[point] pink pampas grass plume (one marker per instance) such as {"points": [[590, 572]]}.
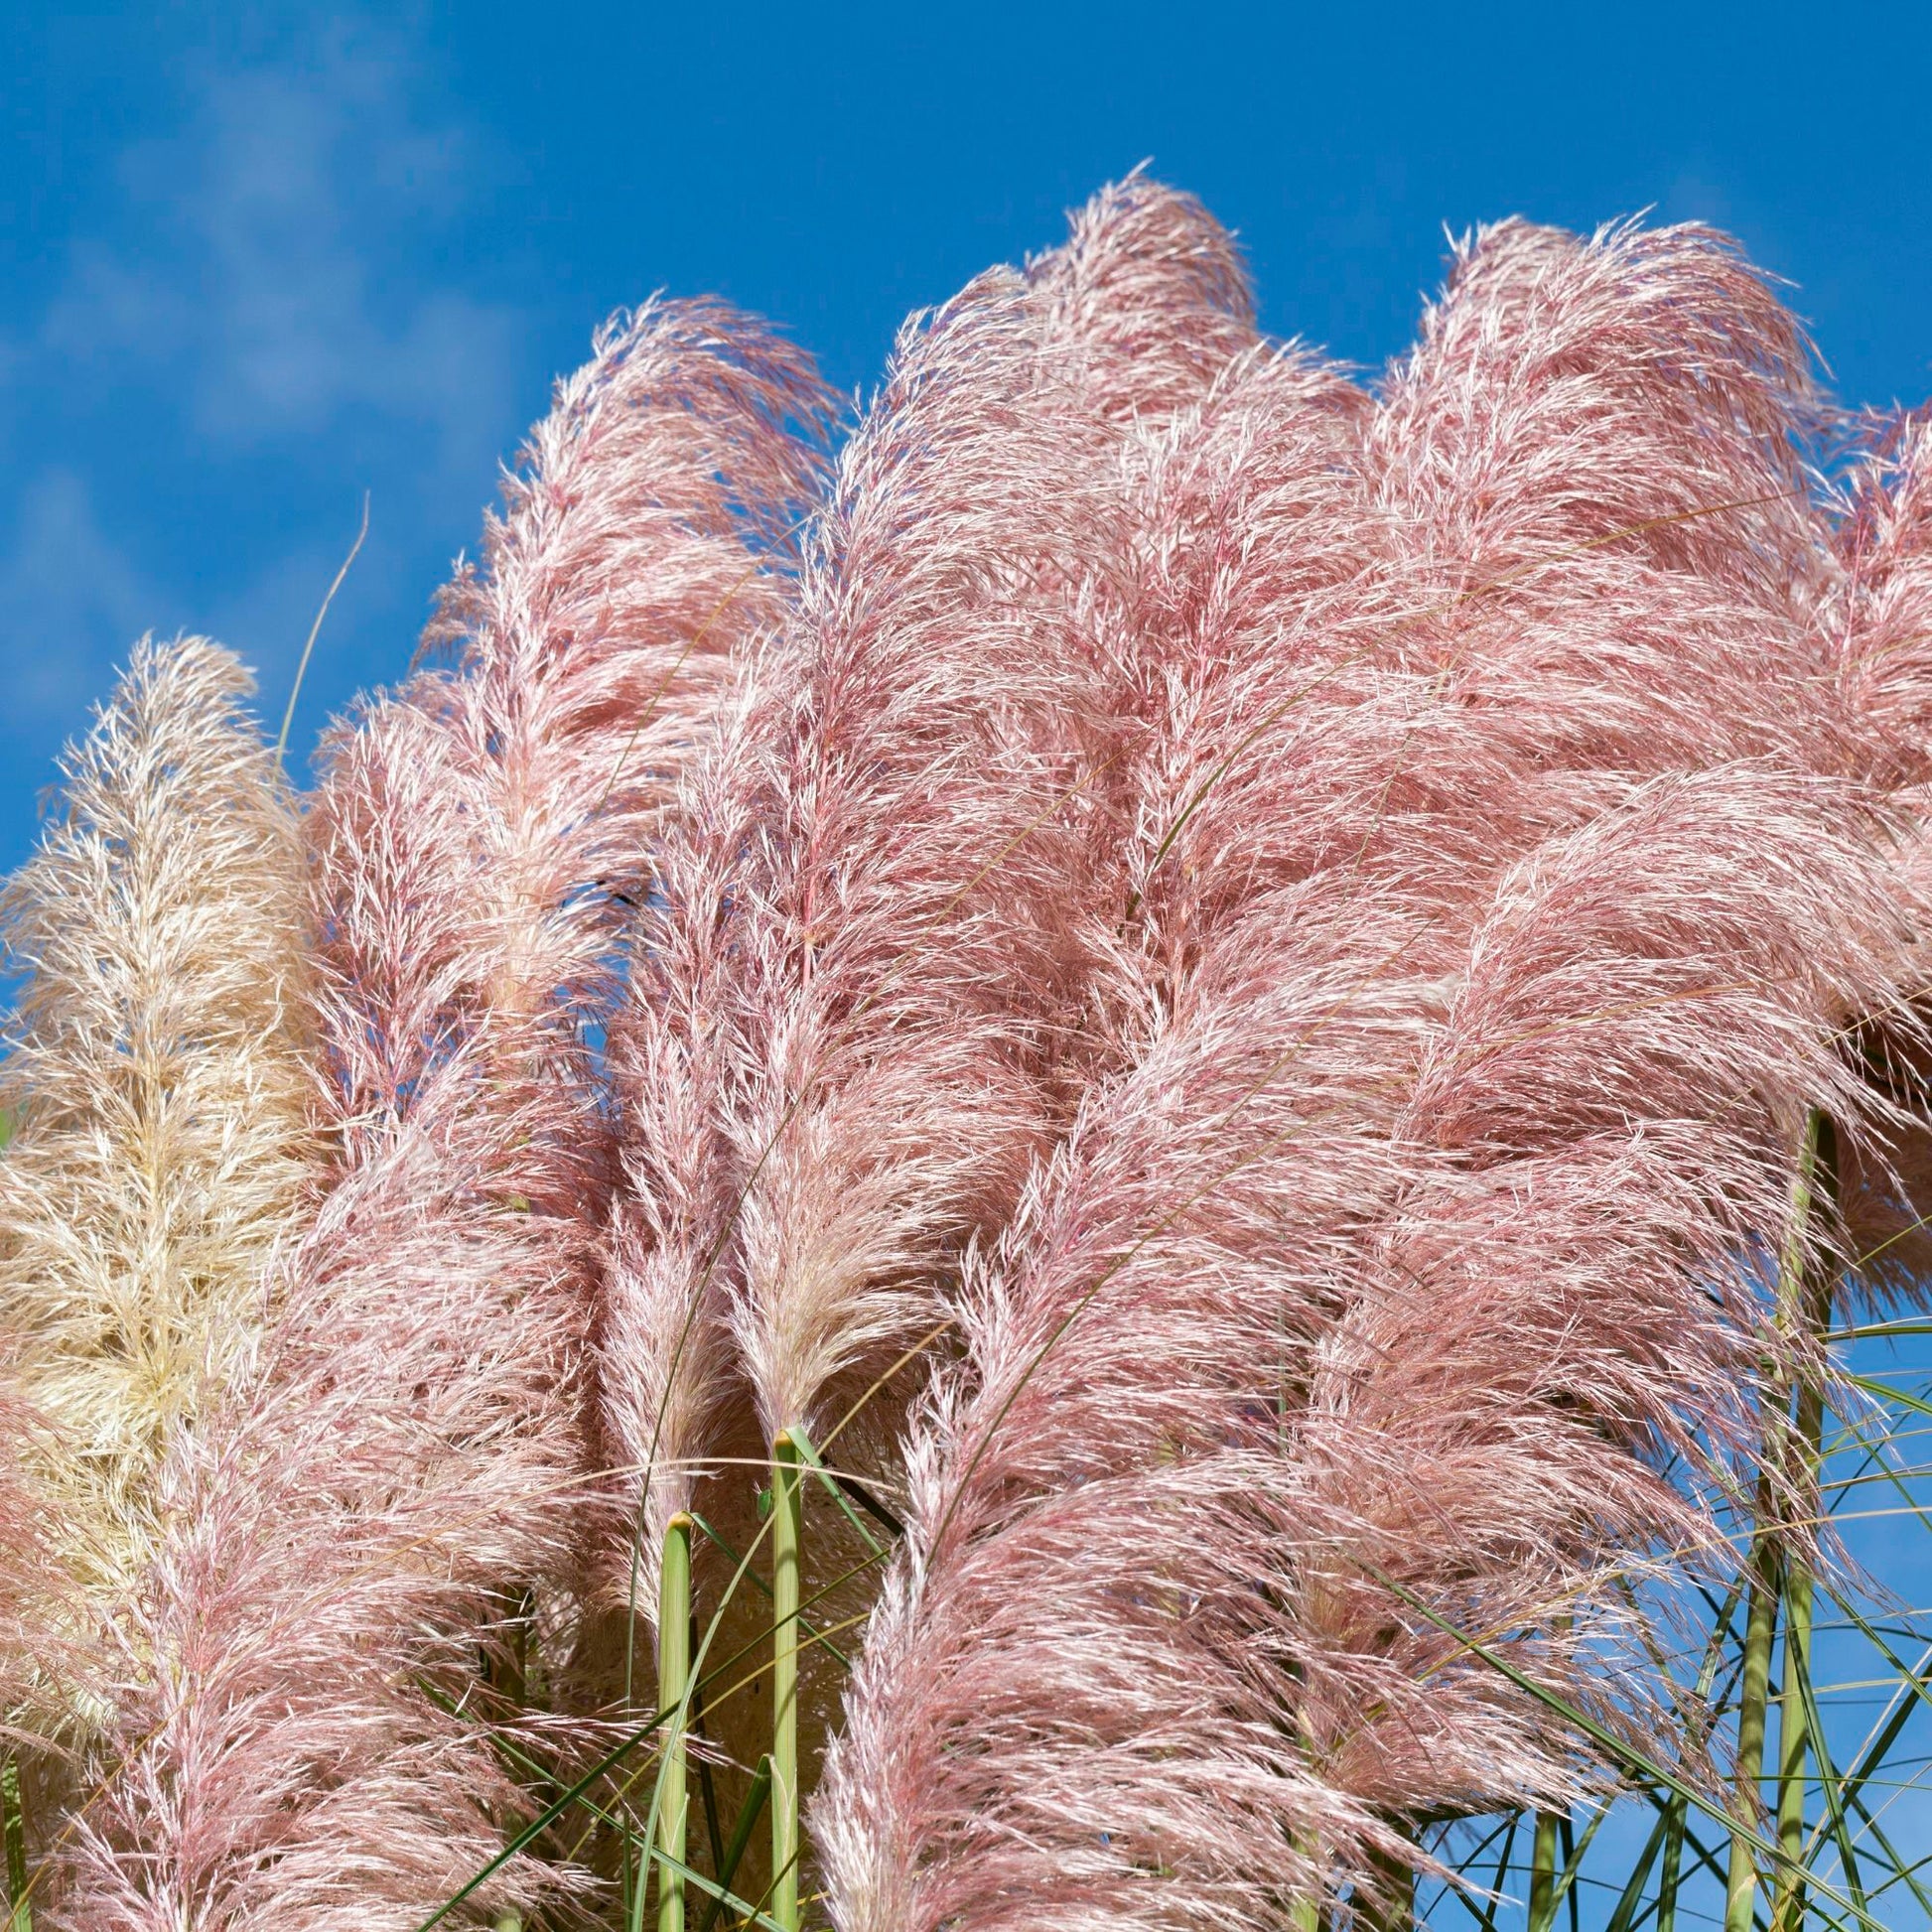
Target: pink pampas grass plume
{"points": [[1879, 616], [158, 1090], [1066, 1713], [914, 924], [1596, 459], [1597, 452], [1876, 616], [413, 1454], [918, 860], [860, 967], [1534, 1400], [1069, 1707]]}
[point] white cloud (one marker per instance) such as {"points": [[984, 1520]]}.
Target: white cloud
{"points": [[275, 270]]}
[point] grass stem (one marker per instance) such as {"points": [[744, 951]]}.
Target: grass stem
{"points": [[1543, 1873], [1545, 1850], [787, 1529], [1671, 1879], [1796, 1291], [673, 1693], [13, 1817], [1393, 1906], [1794, 1720]]}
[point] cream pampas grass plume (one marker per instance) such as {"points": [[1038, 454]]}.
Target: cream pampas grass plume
{"points": [[413, 1458], [158, 1086]]}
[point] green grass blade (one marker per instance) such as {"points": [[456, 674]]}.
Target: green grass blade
{"points": [[741, 1839], [1625, 1755], [802, 1444]]}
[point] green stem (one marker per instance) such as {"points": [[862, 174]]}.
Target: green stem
{"points": [[1543, 1873], [13, 1819], [1767, 1539], [1794, 1751], [787, 1530], [1545, 1859], [673, 1690], [1395, 1902], [1672, 1875], [1794, 1728]]}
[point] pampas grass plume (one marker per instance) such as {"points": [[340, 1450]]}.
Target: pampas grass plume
{"points": [[159, 1083], [417, 1451]]}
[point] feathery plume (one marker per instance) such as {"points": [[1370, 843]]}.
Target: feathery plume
{"points": [[856, 981], [1596, 452], [157, 1081], [1067, 1706], [1875, 615], [1879, 613], [1530, 1406], [1595, 460], [414, 1449], [914, 921]]}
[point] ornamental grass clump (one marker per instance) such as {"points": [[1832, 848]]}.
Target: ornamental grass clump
{"points": [[1620, 1199], [1080, 1166]]}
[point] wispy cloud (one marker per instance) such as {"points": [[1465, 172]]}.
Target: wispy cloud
{"points": [[271, 263], [266, 314]]}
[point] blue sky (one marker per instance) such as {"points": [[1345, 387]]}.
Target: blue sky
{"points": [[260, 261]]}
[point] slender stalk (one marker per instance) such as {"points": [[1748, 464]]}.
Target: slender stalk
{"points": [[1794, 1751], [673, 1689], [1543, 1873], [1399, 1914], [707, 1787], [1794, 1728], [1394, 1904], [14, 1819], [1768, 1567], [1306, 1913], [1672, 1875], [787, 1529], [1545, 1852]]}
